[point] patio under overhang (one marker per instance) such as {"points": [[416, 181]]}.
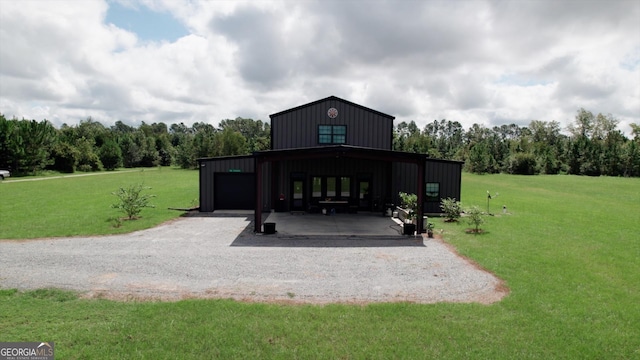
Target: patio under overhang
{"points": [[337, 151]]}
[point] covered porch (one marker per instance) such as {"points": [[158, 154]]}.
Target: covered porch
{"points": [[368, 224], [293, 171]]}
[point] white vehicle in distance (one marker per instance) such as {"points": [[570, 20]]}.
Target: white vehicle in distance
{"points": [[4, 174]]}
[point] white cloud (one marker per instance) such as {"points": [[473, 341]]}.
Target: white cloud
{"points": [[489, 62]]}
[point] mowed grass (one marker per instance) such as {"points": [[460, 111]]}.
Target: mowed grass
{"points": [[569, 251], [81, 204]]}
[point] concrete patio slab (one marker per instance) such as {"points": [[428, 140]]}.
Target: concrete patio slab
{"points": [[344, 225]]}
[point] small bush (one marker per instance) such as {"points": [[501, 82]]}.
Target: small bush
{"points": [[410, 203], [451, 208], [475, 217], [131, 201]]}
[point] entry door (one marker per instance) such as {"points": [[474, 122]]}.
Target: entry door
{"points": [[364, 194], [298, 201]]}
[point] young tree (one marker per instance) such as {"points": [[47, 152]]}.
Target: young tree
{"points": [[475, 218], [131, 201]]}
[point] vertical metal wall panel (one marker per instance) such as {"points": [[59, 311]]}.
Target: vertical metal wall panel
{"points": [[298, 128], [206, 189], [337, 167], [405, 179], [447, 174], [208, 168]]}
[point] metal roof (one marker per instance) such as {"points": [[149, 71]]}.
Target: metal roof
{"points": [[335, 98], [335, 151], [346, 151]]}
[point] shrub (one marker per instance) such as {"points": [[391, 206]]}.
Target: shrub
{"points": [[131, 201], [409, 202], [474, 217], [110, 155], [523, 164], [451, 208]]}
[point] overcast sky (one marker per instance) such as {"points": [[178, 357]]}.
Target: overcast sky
{"points": [[486, 62]]}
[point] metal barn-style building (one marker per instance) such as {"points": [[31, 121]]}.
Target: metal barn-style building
{"points": [[330, 151]]}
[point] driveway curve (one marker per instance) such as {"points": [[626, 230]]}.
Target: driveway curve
{"points": [[216, 257]]}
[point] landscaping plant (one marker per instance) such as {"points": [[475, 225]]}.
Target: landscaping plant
{"points": [[131, 201], [451, 208], [475, 217], [409, 202]]}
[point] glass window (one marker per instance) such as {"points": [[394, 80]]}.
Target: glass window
{"points": [[317, 187], [331, 187], [339, 134], [345, 186], [324, 134], [432, 192], [297, 189], [332, 134], [364, 190]]}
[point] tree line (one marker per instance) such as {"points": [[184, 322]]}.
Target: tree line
{"points": [[30, 146], [593, 145]]}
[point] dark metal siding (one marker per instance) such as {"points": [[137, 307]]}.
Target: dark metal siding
{"points": [[449, 177], [299, 128], [354, 168], [405, 179], [208, 169], [448, 174]]}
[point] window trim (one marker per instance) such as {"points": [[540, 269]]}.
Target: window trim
{"points": [[338, 188], [332, 134], [428, 198]]}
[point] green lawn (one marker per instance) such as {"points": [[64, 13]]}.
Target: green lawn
{"points": [[569, 251], [81, 205]]}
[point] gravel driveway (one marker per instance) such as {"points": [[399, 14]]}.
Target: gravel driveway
{"points": [[213, 257]]}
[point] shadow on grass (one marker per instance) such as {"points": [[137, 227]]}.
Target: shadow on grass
{"points": [[479, 232]]}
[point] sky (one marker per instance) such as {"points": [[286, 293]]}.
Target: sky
{"points": [[472, 61]]}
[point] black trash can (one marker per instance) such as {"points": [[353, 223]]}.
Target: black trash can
{"points": [[269, 228], [408, 229]]}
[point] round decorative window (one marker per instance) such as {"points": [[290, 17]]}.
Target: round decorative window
{"points": [[333, 113]]}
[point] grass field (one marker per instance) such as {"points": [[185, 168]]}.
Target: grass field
{"points": [[569, 250], [81, 204]]}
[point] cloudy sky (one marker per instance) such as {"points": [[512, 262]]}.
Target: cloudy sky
{"points": [[473, 61]]}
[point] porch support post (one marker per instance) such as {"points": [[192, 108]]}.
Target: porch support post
{"points": [[421, 185], [257, 220]]}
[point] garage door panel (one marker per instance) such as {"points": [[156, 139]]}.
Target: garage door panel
{"points": [[234, 191]]}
